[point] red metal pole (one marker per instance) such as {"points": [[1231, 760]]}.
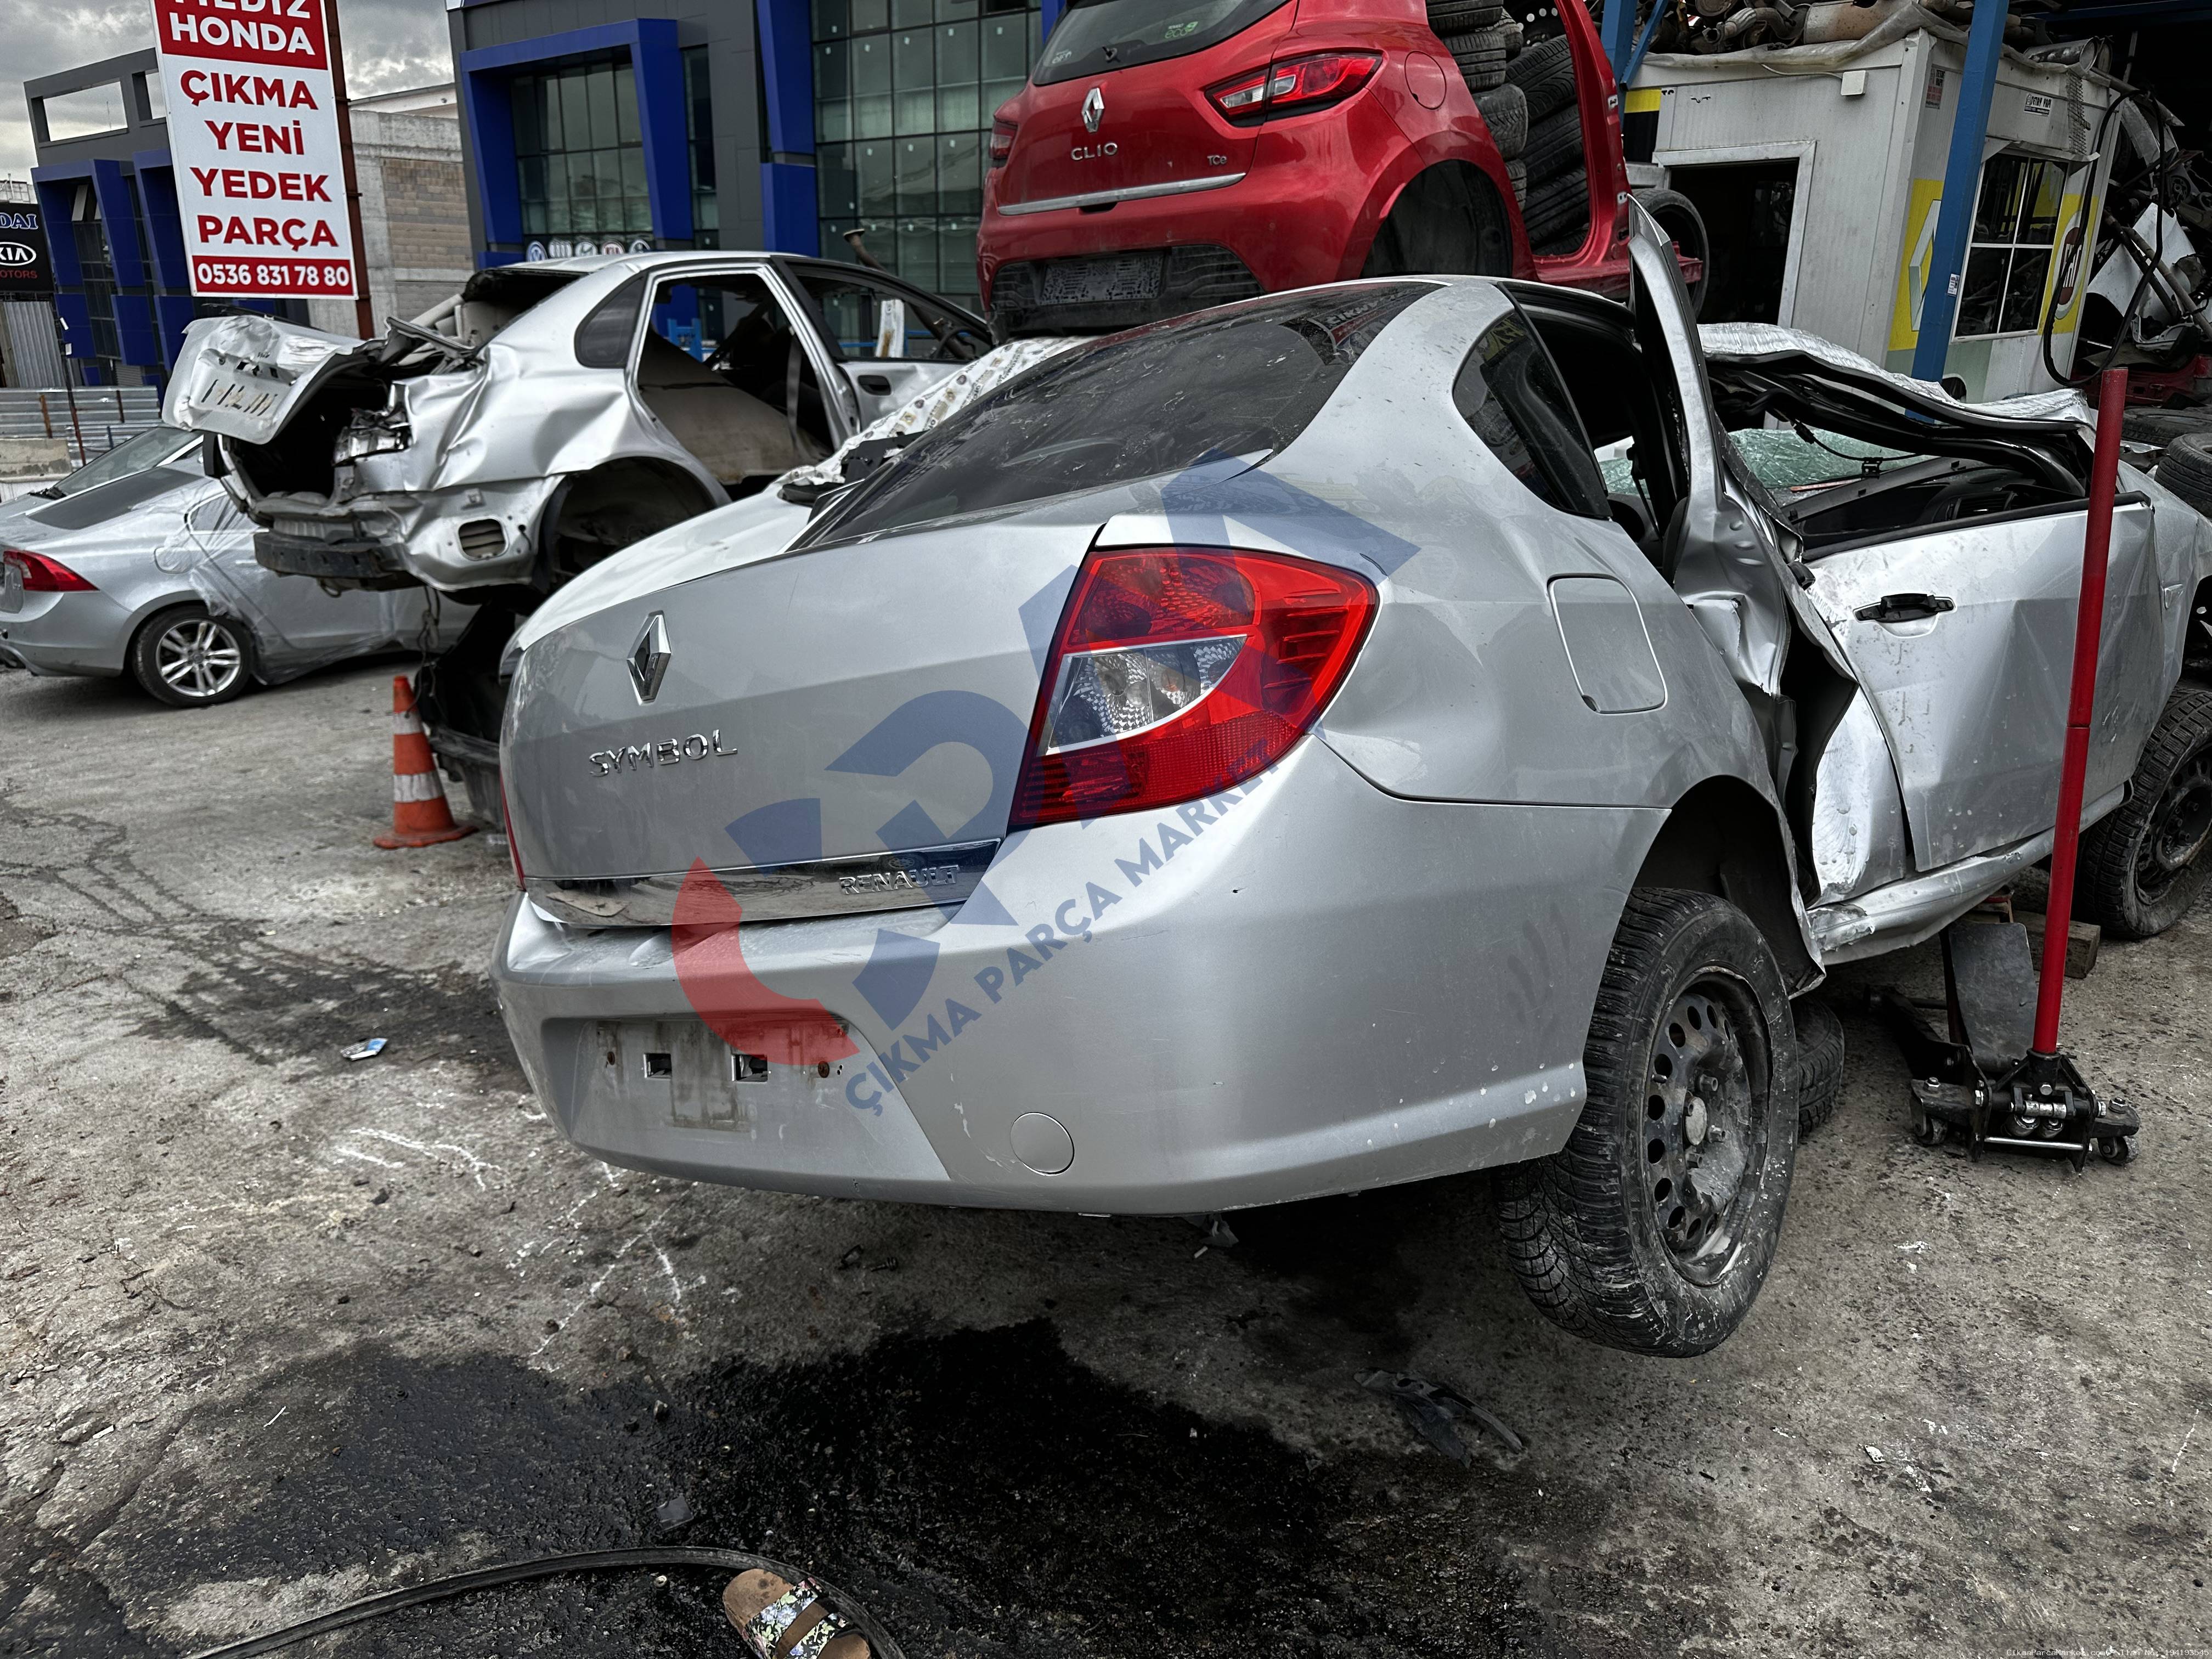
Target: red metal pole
{"points": [[2088, 627], [364, 310]]}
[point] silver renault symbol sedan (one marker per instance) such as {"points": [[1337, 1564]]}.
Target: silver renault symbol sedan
{"points": [[1257, 757], [139, 564]]}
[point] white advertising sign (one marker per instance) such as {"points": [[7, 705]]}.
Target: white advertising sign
{"points": [[254, 133]]}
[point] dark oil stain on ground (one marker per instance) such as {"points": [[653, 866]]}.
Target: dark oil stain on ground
{"points": [[982, 1493], [274, 1001]]}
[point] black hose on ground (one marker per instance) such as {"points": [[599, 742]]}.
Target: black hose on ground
{"points": [[548, 1566]]}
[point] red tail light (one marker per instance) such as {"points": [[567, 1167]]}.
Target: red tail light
{"points": [[44, 575], [1290, 86], [1178, 672], [1002, 140]]}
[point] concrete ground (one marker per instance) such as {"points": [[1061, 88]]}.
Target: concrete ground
{"points": [[277, 1330]]}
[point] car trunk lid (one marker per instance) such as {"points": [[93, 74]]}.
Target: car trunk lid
{"points": [[245, 376], [1149, 125], [867, 703]]}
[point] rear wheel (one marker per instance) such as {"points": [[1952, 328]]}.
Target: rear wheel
{"points": [[1449, 221], [190, 659], [2143, 865], [1653, 1228]]}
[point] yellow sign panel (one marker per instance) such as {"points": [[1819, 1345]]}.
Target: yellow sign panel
{"points": [[1920, 215], [1641, 100]]}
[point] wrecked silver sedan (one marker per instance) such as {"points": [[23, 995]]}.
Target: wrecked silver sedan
{"points": [[551, 413], [1257, 757], [141, 565]]}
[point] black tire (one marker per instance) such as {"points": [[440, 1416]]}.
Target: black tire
{"points": [[1504, 110], [188, 658], [1449, 220], [1554, 144], [1514, 35], [1459, 16], [2144, 866], [1598, 1232], [1546, 71], [1483, 72], [1819, 1063], [2186, 469], [1679, 217], [1557, 216], [1484, 41], [1517, 171]]}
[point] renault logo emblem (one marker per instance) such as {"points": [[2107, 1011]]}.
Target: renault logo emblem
{"points": [[1094, 109], [648, 658]]}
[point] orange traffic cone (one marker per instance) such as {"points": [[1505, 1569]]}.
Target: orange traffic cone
{"points": [[420, 816]]}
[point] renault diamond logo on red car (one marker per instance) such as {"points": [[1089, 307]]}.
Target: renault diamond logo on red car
{"points": [[1094, 109]]}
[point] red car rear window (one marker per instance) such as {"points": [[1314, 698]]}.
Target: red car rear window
{"points": [[1097, 36]]}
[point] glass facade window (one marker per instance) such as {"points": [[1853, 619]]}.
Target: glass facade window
{"points": [[699, 134], [580, 155], [903, 93], [2009, 261]]}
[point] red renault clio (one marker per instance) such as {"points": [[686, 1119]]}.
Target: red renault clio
{"points": [[1169, 154]]}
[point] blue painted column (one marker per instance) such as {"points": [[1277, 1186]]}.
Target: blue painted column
{"points": [[488, 111], [1616, 33], [1051, 10], [165, 232], [1962, 177], [657, 66], [790, 215]]}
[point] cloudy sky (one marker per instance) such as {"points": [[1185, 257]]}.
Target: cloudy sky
{"points": [[389, 44]]}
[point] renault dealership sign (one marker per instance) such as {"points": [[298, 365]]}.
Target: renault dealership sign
{"points": [[253, 132]]}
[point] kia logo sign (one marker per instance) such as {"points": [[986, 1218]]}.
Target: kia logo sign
{"points": [[13, 255]]}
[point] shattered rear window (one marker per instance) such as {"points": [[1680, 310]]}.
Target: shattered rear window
{"points": [[1235, 381]]}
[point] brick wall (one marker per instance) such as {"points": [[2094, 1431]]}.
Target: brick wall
{"points": [[414, 217]]}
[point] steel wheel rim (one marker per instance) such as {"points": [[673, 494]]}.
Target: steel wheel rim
{"points": [[198, 657], [1703, 1130], [2179, 825]]}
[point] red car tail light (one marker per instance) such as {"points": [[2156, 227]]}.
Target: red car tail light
{"points": [[1290, 86], [44, 575], [1002, 140], [1178, 672]]}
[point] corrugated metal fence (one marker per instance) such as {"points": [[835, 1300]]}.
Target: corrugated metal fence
{"points": [[90, 420]]}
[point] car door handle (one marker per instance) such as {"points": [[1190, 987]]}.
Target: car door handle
{"points": [[1905, 607], [877, 384]]}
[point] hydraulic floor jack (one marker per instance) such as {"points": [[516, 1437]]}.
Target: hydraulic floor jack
{"points": [[1996, 1077]]}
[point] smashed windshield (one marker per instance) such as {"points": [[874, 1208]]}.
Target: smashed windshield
{"points": [[1234, 381]]}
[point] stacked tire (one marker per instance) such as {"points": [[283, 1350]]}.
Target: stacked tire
{"points": [[1482, 40], [1473, 32], [1555, 207]]}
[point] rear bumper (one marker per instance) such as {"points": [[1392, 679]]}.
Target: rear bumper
{"points": [[1305, 988], [77, 633], [1286, 226]]}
